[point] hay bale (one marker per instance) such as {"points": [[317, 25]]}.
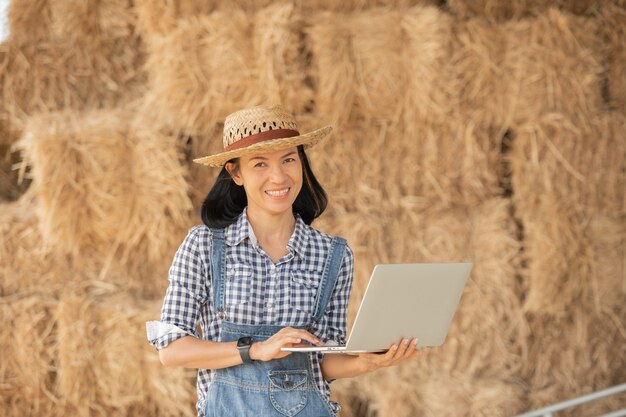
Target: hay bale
{"points": [[579, 162], [56, 74], [281, 56], [105, 188], [377, 44], [553, 65], [106, 366], [61, 54], [517, 71], [187, 93], [478, 55], [334, 68], [453, 162], [572, 356], [431, 90], [458, 394], [358, 65], [572, 258], [27, 363]]}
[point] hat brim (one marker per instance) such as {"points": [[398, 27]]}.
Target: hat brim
{"points": [[307, 140]]}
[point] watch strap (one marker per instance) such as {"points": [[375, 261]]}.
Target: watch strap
{"points": [[244, 352]]}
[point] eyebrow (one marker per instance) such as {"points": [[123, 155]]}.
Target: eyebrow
{"points": [[265, 159]]}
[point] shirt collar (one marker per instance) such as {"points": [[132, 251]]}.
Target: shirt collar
{"points": [[238, 231]]}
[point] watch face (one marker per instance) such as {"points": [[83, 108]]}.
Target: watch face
{"points": [[244, 341]]}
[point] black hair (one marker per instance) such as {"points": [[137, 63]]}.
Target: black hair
{"points": [[226, 200]]}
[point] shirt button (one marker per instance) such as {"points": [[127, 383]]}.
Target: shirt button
{"points": [[272, 272]]}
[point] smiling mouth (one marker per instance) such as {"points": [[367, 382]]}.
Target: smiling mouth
{"points": [[278, 193]]}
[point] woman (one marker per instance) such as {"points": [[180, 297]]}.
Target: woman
{"points": [[259, 278]]}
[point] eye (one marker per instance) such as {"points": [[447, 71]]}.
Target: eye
{"points": [[259, 165], [288, 160]]}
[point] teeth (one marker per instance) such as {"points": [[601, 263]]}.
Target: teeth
{"points": [[278, 193]]}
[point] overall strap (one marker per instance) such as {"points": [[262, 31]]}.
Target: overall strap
{"points": [[218, 257], [329, 276]]}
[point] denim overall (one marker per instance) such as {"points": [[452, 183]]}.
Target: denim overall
{"points": [[276, 388]]}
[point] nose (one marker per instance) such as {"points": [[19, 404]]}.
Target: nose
{"points": [[277, 174]]}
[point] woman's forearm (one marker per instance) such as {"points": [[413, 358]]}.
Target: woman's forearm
{"points": [[191, 352], [336, 366]]}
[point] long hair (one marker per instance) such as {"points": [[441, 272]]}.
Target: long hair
{"points": [[226, 200]]}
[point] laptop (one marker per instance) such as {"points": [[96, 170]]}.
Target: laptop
{"points": [[403, 301]]}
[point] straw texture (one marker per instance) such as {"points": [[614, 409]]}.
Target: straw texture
{"points": [[578, 161], [124, 187], [185, 92], [484, 131], [91, 357]]}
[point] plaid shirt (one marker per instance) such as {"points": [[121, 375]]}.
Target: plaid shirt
{"points": [[257, 291]]}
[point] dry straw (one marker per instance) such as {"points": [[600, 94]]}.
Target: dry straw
{"points": [[552, 65], [514, 72], [187, 91], [92, 22], [67, 72], [27, 368], [453, 162], [579, 161], [358, 65], [91, 357], [21, 250], [573, 258], [156, 18], [572, 356], [30, 21], [106, 189], [478, 55], [431, 89], [281, 56], [334, 67]]}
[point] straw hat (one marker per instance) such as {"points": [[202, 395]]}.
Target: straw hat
{"points": [[258, 130]]}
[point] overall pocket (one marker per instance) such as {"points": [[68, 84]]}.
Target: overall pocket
{"points": [[303, 290], [288, 392]]}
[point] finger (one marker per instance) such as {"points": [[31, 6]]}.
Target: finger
{"points": [[298, 333], [402, 348], [412, 348], [304, 335]]}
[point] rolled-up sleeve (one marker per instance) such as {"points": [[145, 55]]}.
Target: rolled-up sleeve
{"points": [[186, 293]]}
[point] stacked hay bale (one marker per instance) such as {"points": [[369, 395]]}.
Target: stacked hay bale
{"points": [[62, 55], [482, 132], [108, 200], [403, 161]]}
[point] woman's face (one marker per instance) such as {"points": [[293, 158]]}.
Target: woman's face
{"points": [[272, 181]]}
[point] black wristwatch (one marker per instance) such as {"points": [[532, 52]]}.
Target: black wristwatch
{"points": [[243, 346]]}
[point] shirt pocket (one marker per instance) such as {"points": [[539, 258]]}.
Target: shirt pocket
{"points": [[238, 283], [303, 290]]}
